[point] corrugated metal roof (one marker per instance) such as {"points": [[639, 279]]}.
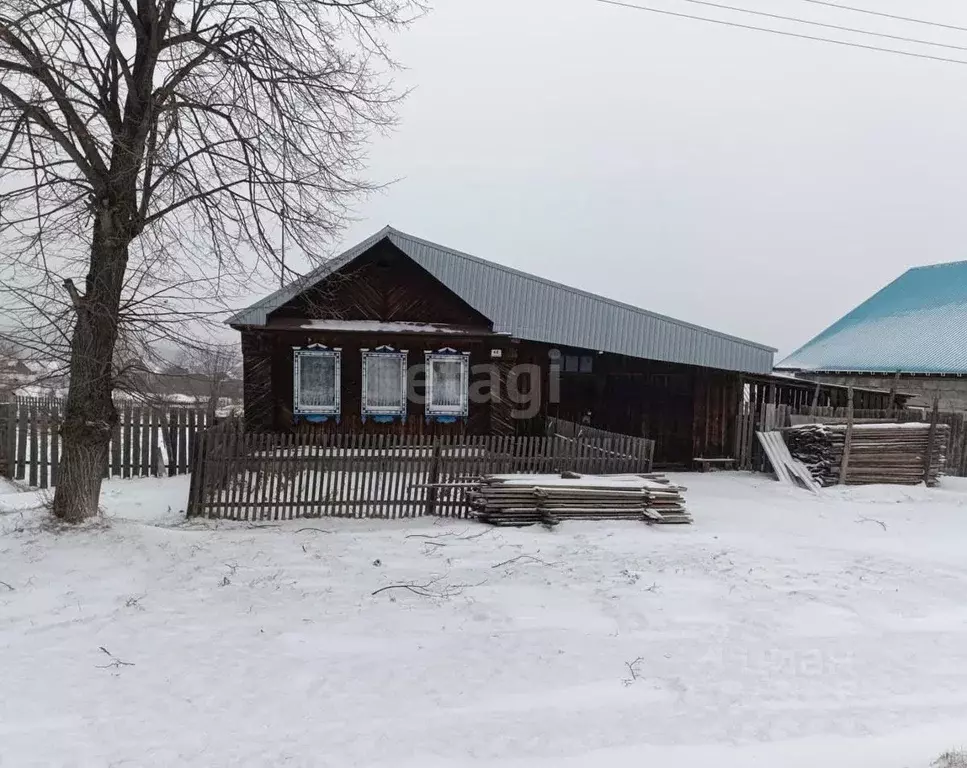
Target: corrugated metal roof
{"points": [[917, 324], [529, 307]]}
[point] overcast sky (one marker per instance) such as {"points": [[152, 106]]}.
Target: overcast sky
{"points": [[756, 184]]}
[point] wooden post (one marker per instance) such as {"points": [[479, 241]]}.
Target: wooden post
{"points": [[844, 467], [8, 433], [893, 393], [44, 456], [815, 406], [35, 428], [54, 443], [23, 426], [196, 483], [737, 448], [931, 439], [432, 492]]}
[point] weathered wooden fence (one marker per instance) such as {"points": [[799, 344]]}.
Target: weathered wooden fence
{"points": [[564, 428], [749, 454], [145, 441], [267, 476]]}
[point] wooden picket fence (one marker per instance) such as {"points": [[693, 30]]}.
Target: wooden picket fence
{"points": [[146, 441], [767, 417], [241, 475]]}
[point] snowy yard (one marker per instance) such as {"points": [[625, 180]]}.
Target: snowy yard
{"points": [[782, 629]]}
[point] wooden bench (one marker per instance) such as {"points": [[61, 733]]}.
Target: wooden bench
{"points": [[706, 465]]}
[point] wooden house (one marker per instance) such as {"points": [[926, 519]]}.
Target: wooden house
{"points": [[402, 335]]}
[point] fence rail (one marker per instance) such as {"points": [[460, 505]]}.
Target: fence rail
{"points": [[145, 441], [266, 476]]}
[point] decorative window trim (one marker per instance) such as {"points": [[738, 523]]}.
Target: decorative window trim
{"points": [[311, 411], [449, 412], [384, 413]]}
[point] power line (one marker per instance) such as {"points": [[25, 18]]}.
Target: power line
{"points": [[887, 15], [825, 25], [799, 35]]}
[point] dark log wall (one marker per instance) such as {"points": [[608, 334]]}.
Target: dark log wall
{"points": [[257, 393], [479, 413], [688, 411], [502, 417], [717, 398]]}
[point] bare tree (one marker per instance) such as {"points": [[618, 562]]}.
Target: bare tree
{"points": [[155, 155]]}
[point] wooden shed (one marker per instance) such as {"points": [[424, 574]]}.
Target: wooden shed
{"points": [[404, 336]]}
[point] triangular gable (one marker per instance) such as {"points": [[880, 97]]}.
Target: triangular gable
{"points": [[380, 284]]}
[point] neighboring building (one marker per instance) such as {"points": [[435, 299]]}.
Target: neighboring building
{"points": [[331, 352], [12, 372], [911, 336], [30, 378]]}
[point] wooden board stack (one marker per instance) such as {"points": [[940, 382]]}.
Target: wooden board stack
{"points": [[515, 500], [895, 454]]}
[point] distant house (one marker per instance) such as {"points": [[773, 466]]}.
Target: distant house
{"points": [[911, 336], [151, 383], [30, 378], [494, 351], [14, 367]]}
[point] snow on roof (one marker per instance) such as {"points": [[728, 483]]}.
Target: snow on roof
{"points": [[379, 326], [913, 325]]}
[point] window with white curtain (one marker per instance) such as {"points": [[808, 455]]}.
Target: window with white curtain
{"points": [[315, 376], [384, 382], [447, 383]]}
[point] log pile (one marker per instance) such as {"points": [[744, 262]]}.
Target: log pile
{"points": [[516, 500], [895, 454]]}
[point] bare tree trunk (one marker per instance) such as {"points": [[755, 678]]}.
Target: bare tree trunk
{"points": [[90, 415], [180, 137]]}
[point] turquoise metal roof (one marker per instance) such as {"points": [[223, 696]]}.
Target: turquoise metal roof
{"points": [[917, 324]]}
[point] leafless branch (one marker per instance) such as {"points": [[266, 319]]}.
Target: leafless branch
{"points": [[528, 558], [115, 663], [633, 670], [429, 589], [463, 536]]}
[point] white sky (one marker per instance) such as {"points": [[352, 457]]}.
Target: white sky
{"points": [[756, 184]]}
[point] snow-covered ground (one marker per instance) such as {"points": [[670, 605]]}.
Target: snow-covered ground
{"points": [[782, 629]]}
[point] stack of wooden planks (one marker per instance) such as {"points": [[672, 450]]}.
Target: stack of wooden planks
{"points": [[899, 454], [515, 500]]}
